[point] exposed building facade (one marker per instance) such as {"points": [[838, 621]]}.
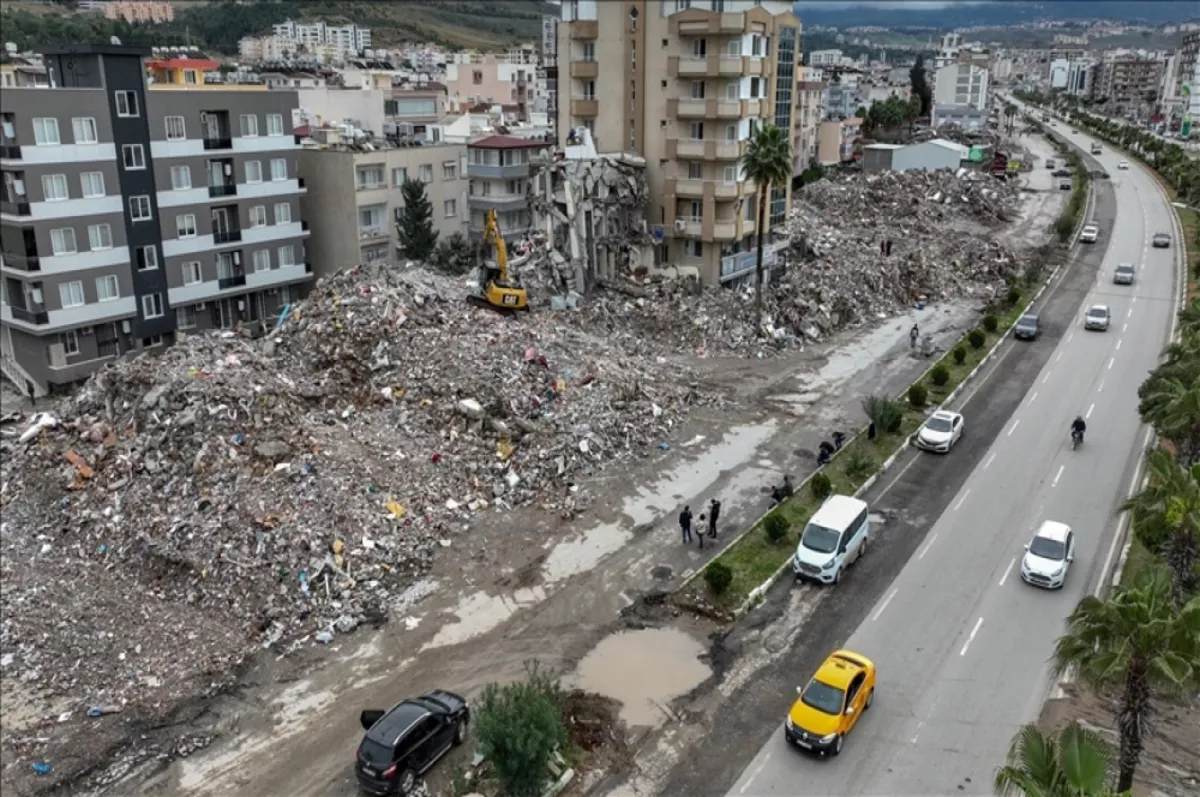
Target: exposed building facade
{"points": [[132, 211], [809, 87], [140, 12], [498, 173], [1129, 84], [961, 83]]}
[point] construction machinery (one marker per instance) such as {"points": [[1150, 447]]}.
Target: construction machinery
{"points": [[496, 288]]}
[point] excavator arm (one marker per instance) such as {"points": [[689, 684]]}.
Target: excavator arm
{"points": [[495, 290], [492, 236]]}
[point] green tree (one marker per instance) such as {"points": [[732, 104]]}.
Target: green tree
{"points": [[518, 727], [768, 162], [1166, 518], [1070, 762], [1170, 396], [415, 227], [920, 85], [1138, 641]]}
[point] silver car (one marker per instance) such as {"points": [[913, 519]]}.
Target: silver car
{"points": [[1161, 240], [1123, 274], [1097, 317]]}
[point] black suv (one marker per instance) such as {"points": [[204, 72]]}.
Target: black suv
{"points": [[403, 742]]}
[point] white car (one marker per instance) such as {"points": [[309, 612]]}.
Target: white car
{"points": [[1048, 555], [1097, 318], [940, 431], [1089, 234], [1123, 165]]}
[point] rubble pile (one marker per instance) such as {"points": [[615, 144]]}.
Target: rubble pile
{"points": [[236, 492]]}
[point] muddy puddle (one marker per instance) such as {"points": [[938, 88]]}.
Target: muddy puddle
{"points": [[644, 670]]}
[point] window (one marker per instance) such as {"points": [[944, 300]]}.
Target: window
{"points": [[191, 272], [181, 178], [262, 260], [477, 77], [127, 103], [731, 91], [697, 89], [71, 294], [70, 342], [696, 129], [185, 317], [249, 126], [285, 295], [589, 51], [450, 170], [731, 174], [92, 184], [84, 130], [731, 133], [699, 48], [253, 172], [283, 213], [279, 170], [734, 48], [100, 236], [152, 306], [274, 124], [369, 177], [147, 258], [133, 156], [755, 86], [450, 207], [139, 207], [185, 225], [399, 176], [287, 256], [107, 288], [589, 89], [695, 171], [176, 130], [694, 247], [258, 216], [45, 132], [427, 173], [152, 341], [62, 241], [189, 77], [54, 186]]}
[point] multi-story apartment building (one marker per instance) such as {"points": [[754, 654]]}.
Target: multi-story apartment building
{"points": [[1129, 84], [684, 84], [498, 171], [961, 83], [495, 80], [347, 41], [355, 199], [140, 12], [132, 210], [825, 58], [22, 73], [809, 86]]}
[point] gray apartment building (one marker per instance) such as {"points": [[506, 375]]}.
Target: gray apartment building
{"points": [[133, 211]]}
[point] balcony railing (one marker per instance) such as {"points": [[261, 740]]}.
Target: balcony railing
{"points": [[218, 143], [10, 151], [229, 189], [15, 208], [227, 237], [372, 232], [30, 316], [23, 262], [236, 281]]}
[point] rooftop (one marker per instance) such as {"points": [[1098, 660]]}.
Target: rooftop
{"points": [[509, 142]]}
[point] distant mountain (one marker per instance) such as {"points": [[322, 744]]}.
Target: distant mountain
{"points": [[988, 13]]}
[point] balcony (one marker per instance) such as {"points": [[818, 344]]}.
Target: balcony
{"points": [[233, 281], [692, 189], [488, 172], [707, 66], [584, 29], [14, 208], [713, 23], [588, 70], [726, 191], [585, 108], [688, 226], [225, 189], [707, 109], [687, 109], [725, 231], [22, 262], [10, 152], [37, 317], [373, 233], [706, 149], [499, 202], [226, 236], [218, 143]]}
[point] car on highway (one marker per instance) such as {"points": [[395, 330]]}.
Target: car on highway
{"points": [[402, 743], [834, 538], [1049, 164], [1048, 555], [1061, 173], [832, 703], [1074, 132], [940, 431], [1028, 327], [1161, 240], [1097, 317], [1123, 275], [1064, 185], [1123, 165], [1089, 233]]}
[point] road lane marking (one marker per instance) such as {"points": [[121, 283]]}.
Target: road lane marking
{"points": [[1111, 360], [928, 545], [1070, 336], [1033, 398], [1088, 414], [960, 501], [1133, 486], [989, 461], [971, 638], [1129, 313], [885, 603], [1132, 301], [1014, 427], [757, 771], [1046, 378], [1100, 387], [1124, 327], [1059, 357], [1118, 344], [1058, 475], [917, 735], [1007, 570]]}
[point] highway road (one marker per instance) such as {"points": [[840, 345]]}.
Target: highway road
{"points": [[961, 642]]}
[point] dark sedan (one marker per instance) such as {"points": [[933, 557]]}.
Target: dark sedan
{"points": [[1027, 327]]}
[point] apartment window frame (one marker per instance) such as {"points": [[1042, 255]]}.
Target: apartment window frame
{"points": [[108, 288], [279, 170], [248, 125], [695, 170], [589, 52], [62, 241], [450, 208], [426, 174], [184, 228], [699, 48], [729, 175], [290, 259], [152, 306], [140, 208], [699, 89], [275, 124], [258, 266], [126, 102], [70, 342], [190, 78], [695, 128], [96, 233], [402, 172], [258, 216], [185, 317], [258, 176], [449, 170], [733, 91], [147, 258], [45, 131], [55, 180], [133, 157], [87, 185], [181, 185], [175, 128], [189, 269], [364, 177], [70, 294], [286, 216], [81, 124], [693, 247], [589, 89]]}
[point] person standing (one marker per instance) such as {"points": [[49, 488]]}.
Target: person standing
{"points": [[685, 524], [888, 251], [714, 510], [913, 334]]}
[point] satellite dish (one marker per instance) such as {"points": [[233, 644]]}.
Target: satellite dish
{"points": [[114, 40]]}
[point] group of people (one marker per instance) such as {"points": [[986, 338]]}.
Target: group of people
{"points": [[685, 523]]}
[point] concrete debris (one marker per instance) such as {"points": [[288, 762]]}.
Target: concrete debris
{"points": [[236, 493]]}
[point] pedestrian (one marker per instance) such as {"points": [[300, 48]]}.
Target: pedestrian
{"points": [[714, 510], [32, 393], [913, 334], [883, 247], [685, 524], [888, 252], [700, 534]]}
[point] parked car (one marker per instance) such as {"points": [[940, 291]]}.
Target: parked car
{"points": [[1123, 275], [831, 704], [1161, 240], [1097, 317], [1123, 165], [1089, 233], [1065, 185], [1027, 327], [1061, 173], [403, 742], [835, 537], [1049, 164], [940, 431], [1048, 555]]}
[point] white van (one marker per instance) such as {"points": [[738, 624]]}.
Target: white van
{"points": [[833, 539]]}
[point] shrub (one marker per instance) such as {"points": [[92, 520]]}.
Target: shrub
{"points": [[1064, 227], [886, 414], [976, 338], [917, 395], [940, 374], [1013, 296], [859, 465], [718, 576], [960, 355], [776, 527], [518, 727], [991, 323], [820, 485]]}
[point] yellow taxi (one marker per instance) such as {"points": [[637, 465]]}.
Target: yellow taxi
{"points": [[831, 704]]}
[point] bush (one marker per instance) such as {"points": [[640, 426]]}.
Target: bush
{"points": [[917, 395], [859, 466], [776, 527], [960, 355], [940, 374], [1064, 227], [718, 576], [518, 727], [976, 338], [886, 414], [821, 486], [991, 323], [1013, 296]]}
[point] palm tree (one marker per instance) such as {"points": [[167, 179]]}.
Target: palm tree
{"points": [[1137, 640], [1070, 762], [768, 162], [1169, 507]]}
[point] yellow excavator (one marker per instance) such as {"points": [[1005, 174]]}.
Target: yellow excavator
{"points": [[496, 289]]}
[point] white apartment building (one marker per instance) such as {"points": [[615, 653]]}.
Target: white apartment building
{"points": [[825, 58], [948, 51], [961, 84], [346, 40]]}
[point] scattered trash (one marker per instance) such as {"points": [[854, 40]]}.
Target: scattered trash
{"points": [[42, 768]]}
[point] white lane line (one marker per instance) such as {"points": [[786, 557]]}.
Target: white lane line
{"points": [[1058, 475], [1132, 301], [1046, 378], [1033, 398], [885, 603], [1100, 387], [1124, 327], [757, 771], [960, 501], [971, 638], [1007, 570], [1129, 313], [928, 545], [1070, 336], [1088, 414], [989, 461], [1014, 427], [1118, 344], [1111, 360], [917, 735], [1059, 357]]}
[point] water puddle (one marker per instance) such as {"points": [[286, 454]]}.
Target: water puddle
{"points": [[644, 670], [480, 612]]}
